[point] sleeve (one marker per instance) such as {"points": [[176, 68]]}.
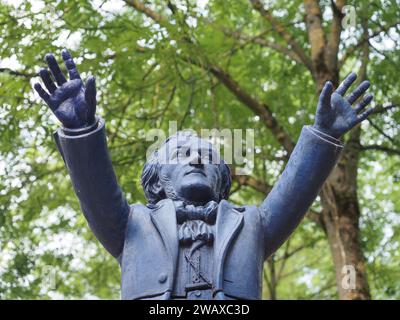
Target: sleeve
{"points": [[103, 204], [310, 164]]}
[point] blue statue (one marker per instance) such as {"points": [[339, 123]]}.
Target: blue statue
{"points": [[189, 242]]}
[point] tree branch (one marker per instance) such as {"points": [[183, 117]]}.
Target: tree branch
{"points": [[17, 73], [259, 108], [253, 183], [316, 217], [381, 109], [265, 43], [358, 45], [382, 132], [334, 36], [139, 6], [316, 33], [281, 30], [380, 148]]}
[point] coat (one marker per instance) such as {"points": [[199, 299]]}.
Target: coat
{"points": [[144, 240]]}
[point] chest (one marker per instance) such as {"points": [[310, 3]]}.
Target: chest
{"points": [[194, 274], [154, 262]]}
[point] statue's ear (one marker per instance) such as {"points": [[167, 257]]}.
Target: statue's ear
{"points": [[156, 191], [226, 181], [151, 183], [157, 187]]}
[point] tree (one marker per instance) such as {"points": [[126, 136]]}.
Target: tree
{"points": [[227, 62]]}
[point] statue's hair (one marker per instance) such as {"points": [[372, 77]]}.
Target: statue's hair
{"points": [[154, 185]]}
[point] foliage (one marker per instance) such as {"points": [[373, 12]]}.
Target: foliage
{"points": [[149, 74]]}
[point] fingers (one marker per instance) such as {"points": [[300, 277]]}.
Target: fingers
{"points": [[48, 82], [42, 93], [90, 96], [325, 96], [55, 69], [358, 92], [336, 99], [365, 115], [345, 85], [70, 64], [366, 101]]}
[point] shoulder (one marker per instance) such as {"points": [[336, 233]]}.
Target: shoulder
{"points": [[139, 208], [245, 209], [138, 214]]}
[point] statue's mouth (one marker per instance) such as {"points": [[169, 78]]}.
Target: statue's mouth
{"points": [[196, 171]]}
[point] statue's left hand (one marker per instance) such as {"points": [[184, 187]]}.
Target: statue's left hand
{"points": [[335, 115]]}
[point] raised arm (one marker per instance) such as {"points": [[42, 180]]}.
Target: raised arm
{"points": [[82, 143], [313, 158]]}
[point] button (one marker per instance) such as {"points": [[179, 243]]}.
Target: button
{"points": [[162, 278], [197, 293]]}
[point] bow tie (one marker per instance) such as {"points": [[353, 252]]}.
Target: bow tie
{"points": [[206, 213]]}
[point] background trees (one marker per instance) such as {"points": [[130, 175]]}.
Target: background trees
{"points": [[206, 64]]}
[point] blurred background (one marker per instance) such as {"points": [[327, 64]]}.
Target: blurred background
{"points": [[205, 64]]}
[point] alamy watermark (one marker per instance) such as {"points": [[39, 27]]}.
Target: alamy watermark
{"points": [[237, 146], [349, 17], [349, 278], [48, 276]]}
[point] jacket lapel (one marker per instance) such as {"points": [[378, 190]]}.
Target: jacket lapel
{"points": [[163, 217], [228, 224]]}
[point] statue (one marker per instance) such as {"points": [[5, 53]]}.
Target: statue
{"points": [[189, 242]]}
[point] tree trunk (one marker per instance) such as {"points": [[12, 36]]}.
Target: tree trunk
{"points": [[341, 212], [340, 217], [273, 283]]}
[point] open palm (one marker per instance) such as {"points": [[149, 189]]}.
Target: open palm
{"points": [[73, 103], [335, 115]]}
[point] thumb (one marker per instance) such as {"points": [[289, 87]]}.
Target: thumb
{"points": [[90, 96]]}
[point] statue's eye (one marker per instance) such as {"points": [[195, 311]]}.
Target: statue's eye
{"points": [[175, 154], [206, 155]]}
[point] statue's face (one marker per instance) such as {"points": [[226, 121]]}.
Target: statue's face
{"points": [[190, 168]]}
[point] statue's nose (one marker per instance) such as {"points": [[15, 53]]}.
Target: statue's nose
{"points": [[195, 158]]}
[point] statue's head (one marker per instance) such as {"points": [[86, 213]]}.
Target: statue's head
{"points": [[186, 168]]}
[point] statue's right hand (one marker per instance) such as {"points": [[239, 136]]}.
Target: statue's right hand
{"points": [[73, 103]]}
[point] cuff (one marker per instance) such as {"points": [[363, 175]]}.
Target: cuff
{"points": [[81, 131], [325, 137]]}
